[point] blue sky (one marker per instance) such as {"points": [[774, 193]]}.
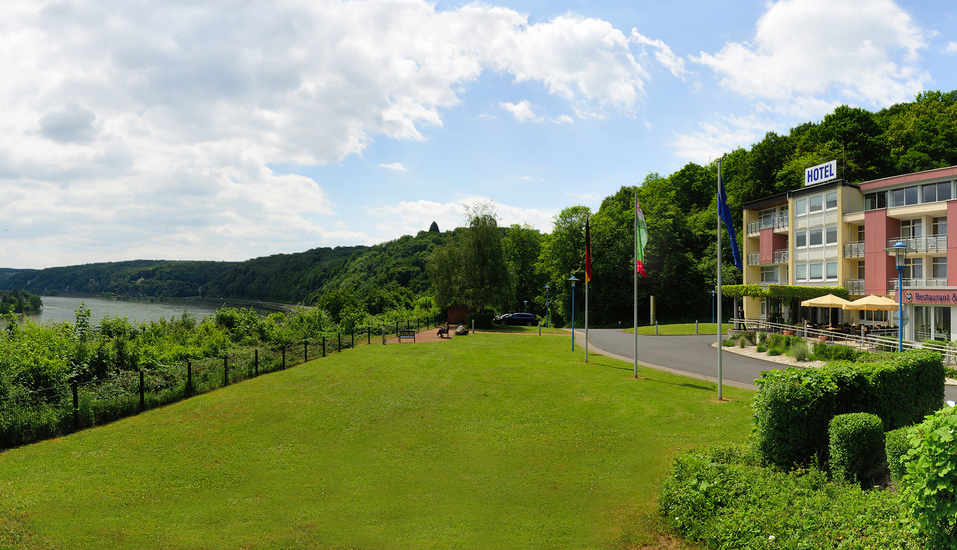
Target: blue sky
{"points": [[231, 130]]}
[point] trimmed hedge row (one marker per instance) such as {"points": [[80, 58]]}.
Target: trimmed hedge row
{"points": [[857, 447], [793, 407]]}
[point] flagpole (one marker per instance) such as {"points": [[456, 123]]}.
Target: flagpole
{"points": [[720, 350], [634, 273], [586, 320]]}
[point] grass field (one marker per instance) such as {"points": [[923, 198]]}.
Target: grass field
{"points": [[681, 329], [485, 441]]}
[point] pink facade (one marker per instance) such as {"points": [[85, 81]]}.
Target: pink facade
{"points": [[878, 265], [951, 246], [769, 242]]}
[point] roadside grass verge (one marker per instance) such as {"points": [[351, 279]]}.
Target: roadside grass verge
{"points": [[486, 441], [679, 329], [513, 329]]}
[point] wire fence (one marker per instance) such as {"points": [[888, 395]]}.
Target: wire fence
{"points": [[31, 416]]}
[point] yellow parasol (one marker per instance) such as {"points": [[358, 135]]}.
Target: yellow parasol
{"points": [[828, 301], [873, 302]]}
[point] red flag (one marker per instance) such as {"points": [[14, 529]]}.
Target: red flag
{"points": [[587, 253]]}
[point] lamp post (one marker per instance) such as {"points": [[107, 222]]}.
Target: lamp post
{"points": [[526, 306], [900, 251], [713, 294], [547, 311], [573, 280]]}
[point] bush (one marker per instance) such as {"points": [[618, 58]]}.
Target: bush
{"points": [[837, 352], [724, 499], [762, 348], [798, 350], [856, 448], [762, 338], [896, 447], [777, 350], [929, 485], [793, 407]]}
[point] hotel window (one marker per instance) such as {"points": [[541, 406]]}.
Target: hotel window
{"points": [[860, 233], [830, 234], [800, 207], [911, 228], [816, 271], [784, 212], [905, 196], [831, 268], [940, 227], [939, 268], [860, 270], [815, 237], [875, 201], [815, 203], [800, 272], [800, 239], [830, 200], [914, 268], [769, 274], [934, 192]]}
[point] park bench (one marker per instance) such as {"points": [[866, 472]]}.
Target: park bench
{"points": [[405, 334]]}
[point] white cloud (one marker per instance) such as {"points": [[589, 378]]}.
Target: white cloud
{"points": [[718, 137], [138, 116], [865, 50], [398, 166], [564, 119], [663, 54], [522, 111], [408, 218], [951, 47]]}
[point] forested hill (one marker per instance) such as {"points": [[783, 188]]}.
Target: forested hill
{"points": [[159, 278]]}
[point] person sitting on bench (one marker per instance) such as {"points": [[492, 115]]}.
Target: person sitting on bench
{"points": [[443, 331]]}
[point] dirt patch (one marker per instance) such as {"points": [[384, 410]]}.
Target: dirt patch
{"points": [[424, 336]]}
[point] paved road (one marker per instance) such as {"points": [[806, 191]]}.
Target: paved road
{"points": [[687, 355]]}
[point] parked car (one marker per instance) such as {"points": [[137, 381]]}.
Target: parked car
{"points": [[527, 319], [498, 318]]}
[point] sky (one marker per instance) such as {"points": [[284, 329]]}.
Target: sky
{"points": [[230, 129]]}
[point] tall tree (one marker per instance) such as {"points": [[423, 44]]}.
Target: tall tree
{"points": [[522, 245], [563, 255]]}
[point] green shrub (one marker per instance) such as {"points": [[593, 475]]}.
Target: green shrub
{"points": [[793, 407], [820, 350], [856, 448], [762, 338], [896, 447], [777, 350], [837, 352], [929, 485], [798, 350], [762, 348], [729, 342], [776, 341], [722, 498]]}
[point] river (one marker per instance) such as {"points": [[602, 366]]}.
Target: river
{"points": [[59, 308]]}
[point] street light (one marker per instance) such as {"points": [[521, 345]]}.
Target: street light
{"points": [[573, 280], [900, 251], [526, 306], [713, 293], [547, 312]]}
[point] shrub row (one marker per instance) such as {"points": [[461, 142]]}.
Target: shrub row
{"points": [[856, 448], [723, 498], [794, 407]]}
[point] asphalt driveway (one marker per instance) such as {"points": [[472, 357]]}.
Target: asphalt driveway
{"points": [[690, 356]]}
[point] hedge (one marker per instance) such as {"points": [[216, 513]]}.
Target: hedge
{"points": [[896, 447], [856, 447], [793, 407]]}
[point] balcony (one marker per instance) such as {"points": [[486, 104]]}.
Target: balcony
{"points": [[779, 222], [855, 287], [856, 249], [777, 257], [917, 283], [934, 243]]}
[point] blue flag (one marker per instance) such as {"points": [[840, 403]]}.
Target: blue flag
{"points": [[724, 213]]}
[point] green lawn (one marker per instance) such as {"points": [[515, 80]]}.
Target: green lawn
{"points": [[681, 329], [485, 441]]}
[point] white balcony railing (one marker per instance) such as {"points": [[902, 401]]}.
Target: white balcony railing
{"points": [[917, 283], [778, 222], [855, 287], [777, 257], [934, 243], [855, 249]]}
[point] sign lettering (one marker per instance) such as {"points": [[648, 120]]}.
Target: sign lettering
{"points": [[820, 173]]}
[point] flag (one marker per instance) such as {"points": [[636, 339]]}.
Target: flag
{"points": [[724, 213], [587, 253], [641, 239]]}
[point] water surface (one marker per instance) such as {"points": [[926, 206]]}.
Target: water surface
{"points": [[59, 308]]}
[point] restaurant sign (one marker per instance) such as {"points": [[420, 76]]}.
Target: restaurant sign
{"points": [[931, 297]]}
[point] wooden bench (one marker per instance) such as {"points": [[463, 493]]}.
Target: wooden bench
{"points": [[405, 334]]}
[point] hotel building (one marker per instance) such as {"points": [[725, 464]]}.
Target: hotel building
{"points": [[835, 233]]}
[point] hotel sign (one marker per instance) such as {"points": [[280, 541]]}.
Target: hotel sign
{"points": [[820, 173]]}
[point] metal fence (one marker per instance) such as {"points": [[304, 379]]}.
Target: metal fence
{"points": [[31, 416]]}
